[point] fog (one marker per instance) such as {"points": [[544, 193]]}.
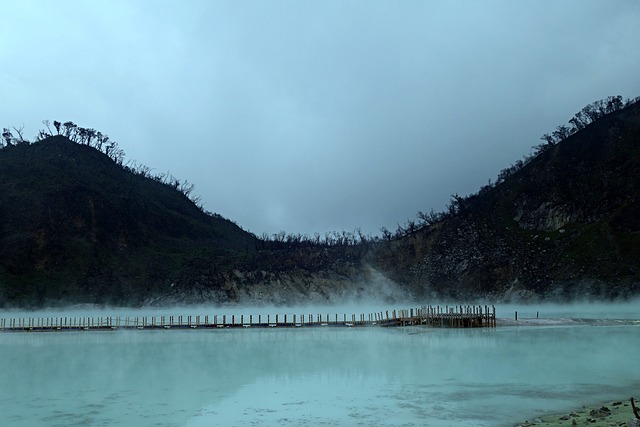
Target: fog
{"points": [[312, 376], [582, 309], [577, 310]]}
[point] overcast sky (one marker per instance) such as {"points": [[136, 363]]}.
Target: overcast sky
{"points": [[314, 116]]}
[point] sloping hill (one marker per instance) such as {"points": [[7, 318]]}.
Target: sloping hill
{"points": [[566, 225], [562, 225], [77, 226]]}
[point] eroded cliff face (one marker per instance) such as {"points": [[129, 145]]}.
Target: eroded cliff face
{"points": [[547, 216], [565, 226], [469, 261], [562, 225], [462, 261], [359, 283]]}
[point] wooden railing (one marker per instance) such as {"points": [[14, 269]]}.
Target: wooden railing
{"points": [[433, 316]]}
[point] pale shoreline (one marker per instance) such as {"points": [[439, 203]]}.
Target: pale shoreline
{"points": [[603, 414]]}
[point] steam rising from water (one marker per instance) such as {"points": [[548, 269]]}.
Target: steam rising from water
{"points": [[336, 376], [586, 310]]}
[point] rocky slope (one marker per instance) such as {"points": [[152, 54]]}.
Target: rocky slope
{"points": [[75, 226], [566, 225], [563, 226]]}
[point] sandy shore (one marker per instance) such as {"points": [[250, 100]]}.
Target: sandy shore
{"points": [[608, 414]]}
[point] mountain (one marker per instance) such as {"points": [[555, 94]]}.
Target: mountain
{"points": [[565, 225], [77, 226], [561, 225]]}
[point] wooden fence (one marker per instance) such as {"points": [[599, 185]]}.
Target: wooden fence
{"points": [[433, 316]]}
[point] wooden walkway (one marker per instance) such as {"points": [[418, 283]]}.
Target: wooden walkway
{"points": [[433, 316]]}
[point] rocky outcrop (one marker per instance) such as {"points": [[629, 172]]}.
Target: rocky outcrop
{"points": [[548, 216], [75, 227], [563, 226], [294, 287]]}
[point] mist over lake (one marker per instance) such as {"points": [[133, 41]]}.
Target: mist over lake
{"points": [[320, 376], [183, 185]]}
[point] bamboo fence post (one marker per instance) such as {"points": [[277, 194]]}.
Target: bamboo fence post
{"points": [[494, 316]]}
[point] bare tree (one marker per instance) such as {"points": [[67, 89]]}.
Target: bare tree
{"points": [[561, 133], [47, 123], [550, 139], [101, 140], [386, 233], [579, 121], [614, 103], [82, 133], [20, 139], [115, 153], [42, 135], [70, 130], [90, 134], [186, 188], [7, 136]]}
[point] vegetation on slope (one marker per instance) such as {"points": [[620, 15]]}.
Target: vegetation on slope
{"points": [[560, 225], [78, 224]]}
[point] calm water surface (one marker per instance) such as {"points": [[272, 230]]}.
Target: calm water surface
{"points": [[318, 376]]}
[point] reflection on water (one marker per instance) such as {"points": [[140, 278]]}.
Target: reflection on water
{"points": [[328, 376]]}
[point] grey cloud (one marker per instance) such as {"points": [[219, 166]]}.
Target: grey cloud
{"points": [[318, 116]]}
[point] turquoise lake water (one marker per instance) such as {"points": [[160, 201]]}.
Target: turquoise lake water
{"points": [[411, 376]]}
